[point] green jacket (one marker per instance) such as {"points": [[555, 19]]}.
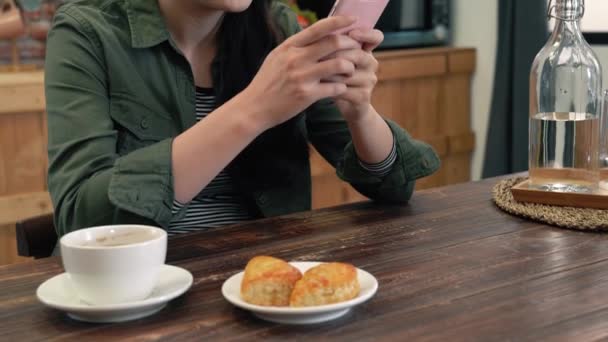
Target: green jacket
{"points": [[118, 93]]}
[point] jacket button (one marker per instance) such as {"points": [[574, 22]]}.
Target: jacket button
{"points": [[144, 124], [263, 199]]}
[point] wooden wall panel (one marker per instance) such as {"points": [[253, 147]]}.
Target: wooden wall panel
{"points": [[395, 67], [25, 94], [457, 127], [23, 153], [427, 92], [423, 109], [420, 115], [23, 156], [15, 208], [456, 103], [327, 191], [353, 195], [386, 99]]}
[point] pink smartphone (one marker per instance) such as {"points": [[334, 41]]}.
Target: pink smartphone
{"points": [[368, 12]]}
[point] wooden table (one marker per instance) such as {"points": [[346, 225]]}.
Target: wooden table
{"points": [[451, 267]]}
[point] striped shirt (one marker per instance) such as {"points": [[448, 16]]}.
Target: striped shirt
{"points": [[220, 203]]}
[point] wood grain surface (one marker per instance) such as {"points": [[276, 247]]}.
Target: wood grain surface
{"points": [[14, 208], [23, 155], [451, 267]]}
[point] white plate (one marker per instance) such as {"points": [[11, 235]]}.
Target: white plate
{"points": [[58, 293], [301, 315]]}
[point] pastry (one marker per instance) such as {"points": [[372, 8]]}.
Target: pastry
{"points": [[268, 281], [326, 284]]}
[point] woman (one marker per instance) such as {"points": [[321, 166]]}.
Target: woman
{"points": [[196, 113]]}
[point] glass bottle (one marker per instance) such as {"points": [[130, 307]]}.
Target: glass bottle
{"points": [[604, 145], [565, 106]]}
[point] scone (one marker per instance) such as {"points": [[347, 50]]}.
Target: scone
{"points": [[268, 281], [326, 284]]}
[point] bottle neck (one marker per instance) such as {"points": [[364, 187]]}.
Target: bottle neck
{"points": [[570, 10], [567, 29]]}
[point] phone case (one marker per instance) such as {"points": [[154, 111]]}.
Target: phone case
{"points": [[368, 12]]}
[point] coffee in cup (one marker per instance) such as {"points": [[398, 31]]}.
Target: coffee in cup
{"points": [[114, 264]]}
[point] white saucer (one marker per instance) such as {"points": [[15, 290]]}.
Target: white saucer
{"points": [[57, 293], [304, 315]]}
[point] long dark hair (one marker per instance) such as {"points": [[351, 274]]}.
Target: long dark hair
{"points": [[244, 41]]}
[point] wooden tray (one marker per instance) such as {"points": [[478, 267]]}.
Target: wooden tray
{"points": [[597, 200]]}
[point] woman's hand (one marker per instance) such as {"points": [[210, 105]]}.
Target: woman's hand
{"points": [[290, 79], [355, 102]]}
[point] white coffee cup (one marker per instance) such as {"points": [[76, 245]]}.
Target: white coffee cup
{"points": [[114, 264]]}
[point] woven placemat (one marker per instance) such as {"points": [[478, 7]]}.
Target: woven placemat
{"points": [[565, 217]]}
